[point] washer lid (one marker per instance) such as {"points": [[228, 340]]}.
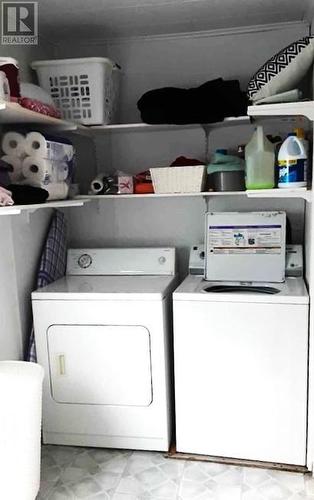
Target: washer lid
{"points": [[107, 288], [193, 288]]}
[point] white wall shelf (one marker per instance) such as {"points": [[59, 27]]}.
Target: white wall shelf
{"points": [[299, 108], [303, 193], [18, 209], [145, 127], [14, 113]]}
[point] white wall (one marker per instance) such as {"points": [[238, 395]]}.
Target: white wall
{"points": [[10, 333], [28, 239], [175, 222], [25, 54], [186, 60], [20, 247], [20, 243], [182, 61]]}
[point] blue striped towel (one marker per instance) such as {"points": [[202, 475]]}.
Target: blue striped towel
{"points": [[52, 264]]}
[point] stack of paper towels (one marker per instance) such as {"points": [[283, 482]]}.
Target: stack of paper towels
{"points": [[40, 161]]}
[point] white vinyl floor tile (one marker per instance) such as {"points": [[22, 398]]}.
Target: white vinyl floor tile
{"points": [[73, 473]]}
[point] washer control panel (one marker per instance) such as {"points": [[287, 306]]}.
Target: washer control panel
{"points": [[197, 259], [294, 260]]}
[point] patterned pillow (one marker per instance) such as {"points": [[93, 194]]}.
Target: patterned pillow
{"points": [[283, 71]]}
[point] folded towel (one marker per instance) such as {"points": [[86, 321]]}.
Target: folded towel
{"points": [[224, 163]]}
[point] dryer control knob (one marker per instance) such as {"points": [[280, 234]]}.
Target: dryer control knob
{"points": [[84, 261], [162, 260]]}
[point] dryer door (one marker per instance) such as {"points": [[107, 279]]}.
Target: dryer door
{"points": [[100, 364]]}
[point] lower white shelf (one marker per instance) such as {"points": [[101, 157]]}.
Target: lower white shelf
{"points": [[258, 193], [18, 209], [80, 200]]}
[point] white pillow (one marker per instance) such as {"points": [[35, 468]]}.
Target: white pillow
{"points": [[283, 71]]}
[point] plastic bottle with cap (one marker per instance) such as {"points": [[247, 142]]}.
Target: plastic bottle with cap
{"points": [[292, 163], [259, 161]]}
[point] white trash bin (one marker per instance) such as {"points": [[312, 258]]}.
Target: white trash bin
{"points": [[20, 429]]}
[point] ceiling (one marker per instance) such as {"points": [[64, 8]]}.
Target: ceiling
{"points": [[100, 19]]}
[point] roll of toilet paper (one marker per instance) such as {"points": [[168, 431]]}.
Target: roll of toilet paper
{"points": [[97, 184], [57, 191], [13, 143], [14, 166], [36, 144], [20, 426], [38, 170]]}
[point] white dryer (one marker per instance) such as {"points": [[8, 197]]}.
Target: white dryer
{"points": [[241, 356], [102, 334]]}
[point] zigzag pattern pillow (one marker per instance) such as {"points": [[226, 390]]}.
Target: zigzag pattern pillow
{"points": [[283, 71]]}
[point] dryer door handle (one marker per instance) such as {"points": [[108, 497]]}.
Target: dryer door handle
{"points": [[61, 364]]}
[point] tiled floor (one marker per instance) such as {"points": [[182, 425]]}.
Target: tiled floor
{"points": [[99, 474]]}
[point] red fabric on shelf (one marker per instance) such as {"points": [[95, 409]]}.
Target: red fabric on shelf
{"points": [[144, 188], [183, 161], [39, 107]]}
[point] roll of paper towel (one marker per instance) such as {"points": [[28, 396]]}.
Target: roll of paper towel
{"points": [[36, 144], [15, 167], [20, 426], [38, 170], [97, 184], [13, 143]]}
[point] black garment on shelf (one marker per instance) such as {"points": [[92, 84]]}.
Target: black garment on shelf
{"points": [[211, 102], [4, 175], [27, 195]]}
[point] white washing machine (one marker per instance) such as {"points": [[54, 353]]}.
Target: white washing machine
{"points": [[241, 369], [102, 334]]}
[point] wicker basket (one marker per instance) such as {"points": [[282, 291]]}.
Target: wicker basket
{"points": [[178, 179]]}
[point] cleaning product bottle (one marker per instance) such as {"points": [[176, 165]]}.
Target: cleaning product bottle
{"points": [[259, 162], [292, 163]]}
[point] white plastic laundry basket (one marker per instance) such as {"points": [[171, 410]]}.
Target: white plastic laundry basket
{"points": [[178, 179], [20, 427], [85, 90]]}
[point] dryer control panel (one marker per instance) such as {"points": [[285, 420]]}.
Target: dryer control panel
{"points": [[121, 261]]}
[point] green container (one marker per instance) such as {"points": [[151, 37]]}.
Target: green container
{"points": [[259, 162]]}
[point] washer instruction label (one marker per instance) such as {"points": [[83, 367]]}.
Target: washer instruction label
{"points": [[254, 239]]}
